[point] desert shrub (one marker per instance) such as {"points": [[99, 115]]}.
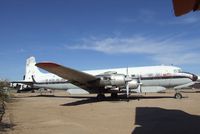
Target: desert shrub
{"points": [[4, 96]]}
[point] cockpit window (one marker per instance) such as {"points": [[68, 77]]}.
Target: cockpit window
{"points": [[177, 71]]}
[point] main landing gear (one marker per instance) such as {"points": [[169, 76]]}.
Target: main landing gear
{"points": [[100, 97], [114, 95], [178, 95]]}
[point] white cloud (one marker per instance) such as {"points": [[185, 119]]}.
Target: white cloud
{"points": [[21, 50], [152, 17], [184, 20], [192, 19], [178, 58], [163, 50], [13, 51], [143, 15]]}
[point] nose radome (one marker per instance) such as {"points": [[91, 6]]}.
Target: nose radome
{"points": [[195, 78]]}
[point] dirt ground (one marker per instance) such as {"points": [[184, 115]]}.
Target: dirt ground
{"points": [[156, 113]]}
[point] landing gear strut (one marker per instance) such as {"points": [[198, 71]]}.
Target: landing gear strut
{"points": [[178, 96], [100, 97], [114, 95]]}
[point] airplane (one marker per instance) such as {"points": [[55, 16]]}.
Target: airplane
{"points": [[122, 80], [182, 7], [114, 81]]}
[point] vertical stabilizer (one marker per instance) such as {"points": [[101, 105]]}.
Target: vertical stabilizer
{"points": [[31, 69]]}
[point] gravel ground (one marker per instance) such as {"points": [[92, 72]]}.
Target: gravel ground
{"points": [[31, 113]]}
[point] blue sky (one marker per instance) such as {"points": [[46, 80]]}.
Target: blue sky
{"points": [[95, 34]]}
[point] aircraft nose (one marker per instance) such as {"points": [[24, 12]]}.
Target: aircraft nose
{"points": [[194, 78]]}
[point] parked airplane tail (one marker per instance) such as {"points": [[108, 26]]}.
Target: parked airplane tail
{"points": [[31, 69]]}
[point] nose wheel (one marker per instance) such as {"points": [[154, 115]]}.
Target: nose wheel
{"points": [[178, 96]]}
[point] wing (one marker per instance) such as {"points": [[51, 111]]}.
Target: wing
{"points": [[184, 6], [75, 77]]}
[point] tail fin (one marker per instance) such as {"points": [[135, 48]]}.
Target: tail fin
{"points": [[31, 69]]}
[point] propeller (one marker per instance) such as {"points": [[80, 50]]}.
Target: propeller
{"points": [[127, 90], [127, 80], [139, 84]]}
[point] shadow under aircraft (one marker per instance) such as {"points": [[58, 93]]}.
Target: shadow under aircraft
{"points": [[155, 120], [92, 99]]}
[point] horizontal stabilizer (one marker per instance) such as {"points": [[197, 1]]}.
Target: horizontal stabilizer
{"points": [[23, 82]]}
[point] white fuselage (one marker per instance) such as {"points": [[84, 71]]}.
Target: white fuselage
{"points": [[163, 76], [152, 78]]}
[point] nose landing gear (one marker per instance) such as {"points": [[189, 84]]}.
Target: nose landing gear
{"points": [[178, 95]]}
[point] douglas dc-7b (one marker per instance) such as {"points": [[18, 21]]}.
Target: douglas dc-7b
{"points": [[113, 81]]}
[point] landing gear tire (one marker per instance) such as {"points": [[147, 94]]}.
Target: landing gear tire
{"points": [[100, 97], [178, 96], [127, 98], [114, 95]]}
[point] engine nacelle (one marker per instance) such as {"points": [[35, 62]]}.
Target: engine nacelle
{"points": [[133, 84], [112, 80], [117, 80]]}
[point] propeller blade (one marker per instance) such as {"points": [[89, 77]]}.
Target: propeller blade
{"points": [[127, 90], [139, 84], [139, 88], [127, 71], [127, 79]]}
